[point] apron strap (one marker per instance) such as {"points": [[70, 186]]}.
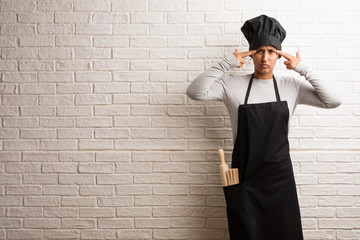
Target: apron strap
{"points": [[249, 87], [276, 89]]}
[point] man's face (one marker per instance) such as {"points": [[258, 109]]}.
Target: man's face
{"points": [[265, 59]]}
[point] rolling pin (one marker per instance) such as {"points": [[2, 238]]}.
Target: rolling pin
{"points": [[224, 168]]}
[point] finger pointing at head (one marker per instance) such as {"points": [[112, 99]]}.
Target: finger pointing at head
{"points": [[248, 53], [285, 55]]}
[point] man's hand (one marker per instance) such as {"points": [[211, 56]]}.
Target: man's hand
{"points": [[240, 55], [292, 61]]}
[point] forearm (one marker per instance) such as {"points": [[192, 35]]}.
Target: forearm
{"points": [[204, 87], [321, 94]]}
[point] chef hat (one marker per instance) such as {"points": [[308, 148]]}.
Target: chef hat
{"points": [[263, 31]]}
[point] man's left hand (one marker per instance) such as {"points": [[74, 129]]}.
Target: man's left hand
{"points": [[292, 61]]}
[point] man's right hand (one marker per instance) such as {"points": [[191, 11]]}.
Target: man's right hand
{"points": [[241, 55]]}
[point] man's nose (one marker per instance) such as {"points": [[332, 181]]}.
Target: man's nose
{"points": [[265, 56]]}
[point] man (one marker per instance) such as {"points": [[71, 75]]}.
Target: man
{"points": [[264, 205]]}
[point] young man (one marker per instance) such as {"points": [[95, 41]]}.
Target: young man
{"points": [[264, 205]]}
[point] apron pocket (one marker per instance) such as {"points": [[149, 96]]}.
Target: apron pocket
{"points": [[235, 197], [236, 203]]}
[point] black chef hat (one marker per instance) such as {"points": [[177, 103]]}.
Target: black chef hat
{"points": [[263, 31]]}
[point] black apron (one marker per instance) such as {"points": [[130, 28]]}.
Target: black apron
{"points": [[264, 205]]}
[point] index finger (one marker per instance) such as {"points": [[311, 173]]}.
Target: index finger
{"points": [[285, 55], [248, 53]]}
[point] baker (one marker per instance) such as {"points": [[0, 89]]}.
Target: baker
{"points": [[264, 205]]}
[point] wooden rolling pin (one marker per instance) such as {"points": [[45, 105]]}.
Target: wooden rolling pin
{"points": [[228, 176], [223, 167]]}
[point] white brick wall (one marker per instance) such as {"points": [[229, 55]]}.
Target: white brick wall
{"points": [[99, 140]]}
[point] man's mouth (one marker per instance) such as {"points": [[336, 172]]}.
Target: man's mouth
{"points": [[264, 65]]}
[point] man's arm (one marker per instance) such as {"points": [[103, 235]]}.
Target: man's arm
{"points": [[206, 86], [318, 93]]}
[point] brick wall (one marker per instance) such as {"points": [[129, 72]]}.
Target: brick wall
{"points": [[99, 140]]}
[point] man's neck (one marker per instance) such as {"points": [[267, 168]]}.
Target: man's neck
{"points": [[258, 75]]}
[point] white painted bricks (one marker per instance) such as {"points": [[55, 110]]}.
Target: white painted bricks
{"points": [[99, 140]]}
